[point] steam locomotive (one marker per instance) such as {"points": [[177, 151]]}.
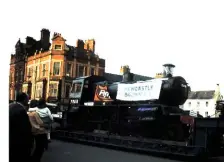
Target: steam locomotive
{"points": [[140, 115], [129, 108]]}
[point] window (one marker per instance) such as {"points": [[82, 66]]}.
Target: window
{"points": [[67, 90], [68, 69], [92, 71], [198, 104], [58, 47], [206, 103], [76, 87], [53, 89], [56, 70], [30, 72], [44, 70], [101, 72], [81, 70], [189, 104], [39, 90], [206, 114]]}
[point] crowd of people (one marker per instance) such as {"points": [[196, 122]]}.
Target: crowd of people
{"points": [[29, 129]]}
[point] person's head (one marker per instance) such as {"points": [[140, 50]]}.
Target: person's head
{"points": [[33, 103], [22, 98], [41, 103]]}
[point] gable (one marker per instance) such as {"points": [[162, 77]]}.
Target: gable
{"points": [[58, 37], [18, 44]]}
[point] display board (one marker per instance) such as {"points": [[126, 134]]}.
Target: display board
{"points": [[140, 91]]}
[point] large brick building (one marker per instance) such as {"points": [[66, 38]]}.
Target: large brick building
{"points": [[45, 69]]}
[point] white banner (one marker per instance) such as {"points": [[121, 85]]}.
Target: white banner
{"points": [[148, 90]]}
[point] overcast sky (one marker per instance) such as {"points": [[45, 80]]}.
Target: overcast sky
{"points": [[143, 34]]}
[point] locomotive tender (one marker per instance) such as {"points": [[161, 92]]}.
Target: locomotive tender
{"points": [[134, 111]]}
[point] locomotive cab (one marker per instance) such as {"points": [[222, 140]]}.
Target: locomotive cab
{"points": [[82, 91]]}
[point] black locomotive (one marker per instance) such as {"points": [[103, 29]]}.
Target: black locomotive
{"points": [[94, 106], [113, 114]]}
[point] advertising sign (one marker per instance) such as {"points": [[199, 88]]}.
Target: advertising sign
{"points": [[141, 91], [101, 94]]}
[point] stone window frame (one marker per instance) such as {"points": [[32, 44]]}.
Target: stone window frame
{"points": [[56, 93], [30, 71], [59, 49], [84, 71], [39, 90], [44, 70], [71, 69], [54, 67]]}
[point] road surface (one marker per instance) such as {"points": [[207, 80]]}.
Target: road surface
{"points": [[69, 152]]}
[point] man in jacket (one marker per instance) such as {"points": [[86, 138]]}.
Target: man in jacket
{"points": [[20, 134]]}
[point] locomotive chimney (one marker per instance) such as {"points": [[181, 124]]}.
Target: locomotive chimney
{"points": [[168, 70], [127, 75]]}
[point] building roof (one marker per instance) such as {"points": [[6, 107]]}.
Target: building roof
{"points": [[112, 77], [118, 78], [201, 94]]}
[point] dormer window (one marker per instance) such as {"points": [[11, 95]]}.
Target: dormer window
{"points": [[57, 47]]}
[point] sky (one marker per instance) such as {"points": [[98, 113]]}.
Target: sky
{"points": [[144, 34]]}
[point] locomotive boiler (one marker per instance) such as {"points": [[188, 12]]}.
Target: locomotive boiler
{"points": [[172, 92]]}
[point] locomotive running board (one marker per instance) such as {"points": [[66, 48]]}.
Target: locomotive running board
{"points": [[134, 144]]}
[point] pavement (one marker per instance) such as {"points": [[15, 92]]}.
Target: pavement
{"points": [[59, 151]]}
